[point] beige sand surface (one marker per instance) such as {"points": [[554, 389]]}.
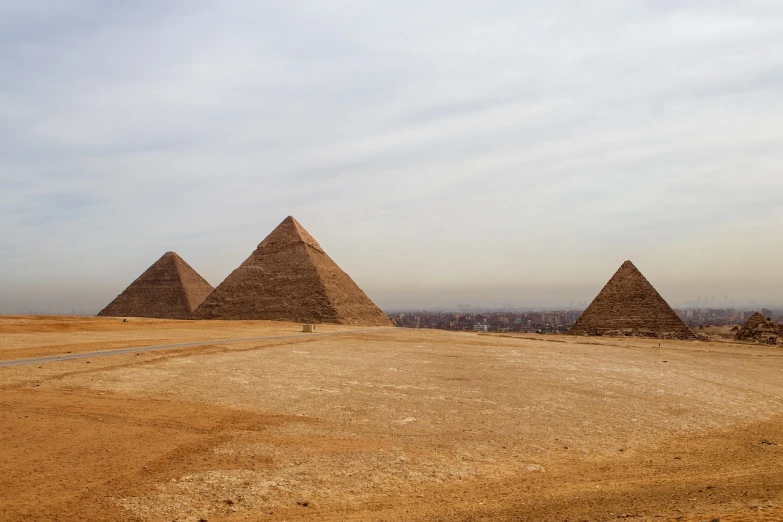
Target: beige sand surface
{"points": [[398, 424], [33, 336]]}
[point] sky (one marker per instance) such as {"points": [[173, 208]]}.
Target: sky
{"points": [[441, 152]]}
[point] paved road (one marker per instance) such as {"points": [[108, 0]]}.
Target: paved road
{"points": [[120, 351]]}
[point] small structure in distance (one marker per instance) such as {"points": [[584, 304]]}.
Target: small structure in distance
{"points": [[759, 329]]}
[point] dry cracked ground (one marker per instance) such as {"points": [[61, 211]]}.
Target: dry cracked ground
{"points": [[383, 424]]}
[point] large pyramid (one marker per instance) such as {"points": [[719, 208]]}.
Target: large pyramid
{"points": [[169, 289], [290, 278], [629, 305]]}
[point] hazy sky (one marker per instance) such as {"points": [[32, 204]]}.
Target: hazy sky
{"points": [[441, 152]]}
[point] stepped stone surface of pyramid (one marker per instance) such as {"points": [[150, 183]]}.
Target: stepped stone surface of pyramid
{"points": [[289, 277], [629, 305], [759, 329], [169, 289]]}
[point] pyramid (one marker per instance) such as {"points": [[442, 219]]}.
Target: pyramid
{"points": [[759, 329], [290, 278], [629, 305], [169, 289]]}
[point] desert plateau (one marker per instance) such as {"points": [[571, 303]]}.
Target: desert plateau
{"points": [[358, 423]]}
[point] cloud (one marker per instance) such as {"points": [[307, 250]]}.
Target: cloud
{"points": [[436, 148]]}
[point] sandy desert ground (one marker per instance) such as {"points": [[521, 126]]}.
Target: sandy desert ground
{"points": [[384, 424]]}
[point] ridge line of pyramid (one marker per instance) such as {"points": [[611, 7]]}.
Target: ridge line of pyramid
{"points": [[304, 235], [182, 265], [328, 271], [178, 263], [320, 279]]}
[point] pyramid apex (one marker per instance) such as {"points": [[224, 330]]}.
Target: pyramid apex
{"points": [[289, 231], [291, 220], [627, 266], [173, 257]]}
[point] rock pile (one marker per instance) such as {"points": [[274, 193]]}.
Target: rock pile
{"points": [[629, 305], [761, 330], [169, 289], [289, 277]]}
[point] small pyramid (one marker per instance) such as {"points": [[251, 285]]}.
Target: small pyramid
{"points": [[755, 320], [629, 305], [759, 329], [169, 289], [290, 278]]}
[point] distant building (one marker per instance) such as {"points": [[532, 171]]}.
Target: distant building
{"points": [[480, 328]]}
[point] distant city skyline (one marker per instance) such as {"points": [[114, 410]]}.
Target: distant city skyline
{"points": [[547, 321], [440, 152]]}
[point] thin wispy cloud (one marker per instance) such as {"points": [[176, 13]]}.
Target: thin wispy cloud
{"points": [[435, 150]]}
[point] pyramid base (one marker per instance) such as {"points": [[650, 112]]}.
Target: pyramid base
{"points": [[644, 334]]}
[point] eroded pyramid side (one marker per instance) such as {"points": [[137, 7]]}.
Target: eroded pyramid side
{"points": [[629, 305], [169, 289]]}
